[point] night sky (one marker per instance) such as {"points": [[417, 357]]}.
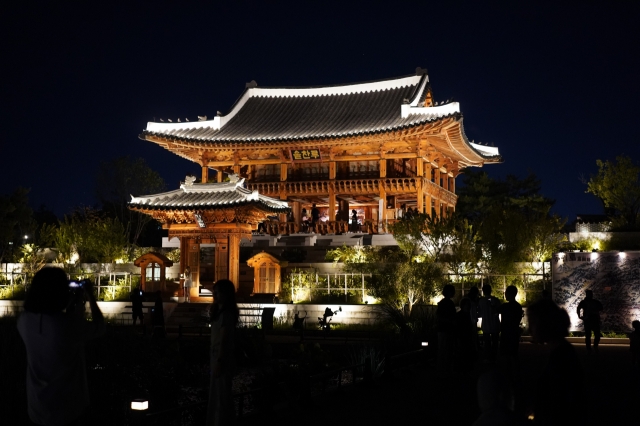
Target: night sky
{"points": [[554, 87]]}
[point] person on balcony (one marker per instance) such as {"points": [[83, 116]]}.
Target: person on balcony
{"points": [[315, 217], [354, 221]]}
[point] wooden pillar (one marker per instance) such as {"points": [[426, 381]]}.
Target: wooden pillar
{"points": [[222, 259], [297, 212], [436, 177], [234, 259], [445, 181], [452, 185], [419, 193], [283, 172], [236, 169], [332, 203], [184, 253], [332, 169], [427, 171], [205, 174], [383, 167], [218, 176], [420, 167], [428, 205]]}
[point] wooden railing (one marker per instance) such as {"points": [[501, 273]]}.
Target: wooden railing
{"points": [[392, 186]]}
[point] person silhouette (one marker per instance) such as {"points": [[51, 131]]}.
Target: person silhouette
{"points": [[445, 321], [560, 386], [512, 314], [634, 343], [354, 221], [54, 335], [474, 298], [589, 312], [315, 217], [224, 319], [488, 309], [465, 331]]}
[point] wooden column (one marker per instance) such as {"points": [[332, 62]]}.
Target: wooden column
{"points": [[452, 186], [436, 177], [419, 193], [222, 259], [445, 181], [236, 169], [184, 253], [219, 176], [332, 169], [332, 203], [427, 171], [428, 205], [205, 174], [297, 212], [234, 259], [383, 167], [283, 172]]}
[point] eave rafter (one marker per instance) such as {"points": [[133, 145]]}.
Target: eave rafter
{"points": [[442, 138]]}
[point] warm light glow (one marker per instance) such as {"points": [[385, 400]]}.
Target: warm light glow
{"points": [[139, 404], [369, 300], [120, 260], [425, 343], [596, 245], [74, 258], [622, 254]]}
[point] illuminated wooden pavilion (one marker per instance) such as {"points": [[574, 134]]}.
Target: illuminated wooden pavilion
{"points": [[213, 216], [368, 146]]}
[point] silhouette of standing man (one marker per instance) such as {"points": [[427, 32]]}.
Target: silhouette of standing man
{"points": [[589, 312], [488, 309]]}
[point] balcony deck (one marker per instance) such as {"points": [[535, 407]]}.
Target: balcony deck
{"points": [[391, 186]]}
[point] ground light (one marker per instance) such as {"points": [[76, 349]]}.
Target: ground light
{"points": [[139, 404]]}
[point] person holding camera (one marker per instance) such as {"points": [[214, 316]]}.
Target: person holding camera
{"points": [[54, 330]]}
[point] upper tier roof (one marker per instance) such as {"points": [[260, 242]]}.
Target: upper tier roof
{"points": [[202, 196], [284, 114]]}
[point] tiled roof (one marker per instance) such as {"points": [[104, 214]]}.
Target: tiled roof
{"points": [[267, 115], [200, 196]]}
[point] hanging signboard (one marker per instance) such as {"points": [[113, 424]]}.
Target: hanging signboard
{"points": [[305, 155]]}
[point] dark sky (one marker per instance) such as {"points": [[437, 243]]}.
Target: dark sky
{"points": [[554, 87]]}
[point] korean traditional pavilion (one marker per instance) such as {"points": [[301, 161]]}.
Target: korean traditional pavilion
{"points": [[371, 147], [218, 215], [366, 146]]}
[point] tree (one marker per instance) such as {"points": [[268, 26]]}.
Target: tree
{"points": [[16, 220], [116, 181], [618, 186], [510, 217], [87, 235]]}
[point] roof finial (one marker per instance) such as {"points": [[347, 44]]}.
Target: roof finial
{"points": [[251, 84], [189, 180], [421, 71], [218, 113], [202, 118]]}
